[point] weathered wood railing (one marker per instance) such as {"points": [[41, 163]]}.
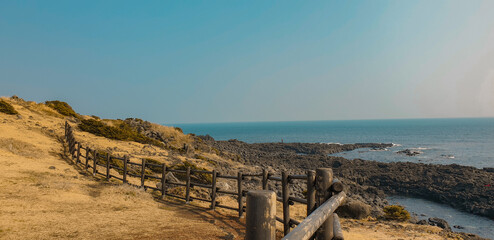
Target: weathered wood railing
{"points": [[320, 184]]}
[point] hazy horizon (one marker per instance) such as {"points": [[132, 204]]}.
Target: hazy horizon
{"points": [[256, 61], [329, 120]]}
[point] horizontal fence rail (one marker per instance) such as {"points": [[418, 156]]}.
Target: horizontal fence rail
{"points": [[121, 168], [309, 226]]}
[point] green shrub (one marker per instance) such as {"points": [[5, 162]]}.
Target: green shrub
{"points": [[62, 108], [5, 107], [179, 129], [203, 178], [396, 212], [121, 131]]}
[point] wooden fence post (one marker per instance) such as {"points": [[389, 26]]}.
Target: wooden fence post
{"points": [[261, 215], [95, 160], [163, 181], [124, 177], [187, 188], [213, 191], [311, 191], [78, 153], [108, 159], [70, 148], [264, 179], [338, 232], [286, 206], [324, 178], [88, 150], [143, 172], [240, 195]]}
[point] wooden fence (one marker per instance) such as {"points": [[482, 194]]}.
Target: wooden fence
{"points": [[101, 163]]}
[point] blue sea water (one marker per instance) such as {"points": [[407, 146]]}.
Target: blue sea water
{"points": [[468, 141], [443, 141]]}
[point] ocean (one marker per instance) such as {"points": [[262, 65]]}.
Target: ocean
{"points": [[463, 141]]}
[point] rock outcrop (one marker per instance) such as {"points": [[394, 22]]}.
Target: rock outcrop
{"points": [[462, 187]]}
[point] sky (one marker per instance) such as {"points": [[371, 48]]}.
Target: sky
{"points": [[240, 61]]}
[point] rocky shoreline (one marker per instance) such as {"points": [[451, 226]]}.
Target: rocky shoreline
{"points": [[465, 188]]}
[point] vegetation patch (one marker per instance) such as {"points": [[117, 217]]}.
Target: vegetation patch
{"points": [[5, 107], [121, 131], [396, 212], [62, 108], [154, 169], [203, 178]]}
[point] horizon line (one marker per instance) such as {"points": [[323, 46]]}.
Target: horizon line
{"points": [[328, 120]]}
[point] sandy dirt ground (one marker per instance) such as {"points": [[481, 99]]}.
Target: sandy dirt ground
{"points": [[43, 195]]}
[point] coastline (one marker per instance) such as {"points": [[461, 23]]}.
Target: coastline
{"points": [[461, 187]]}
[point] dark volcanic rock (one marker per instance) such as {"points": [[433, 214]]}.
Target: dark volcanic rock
{"points": [[409, 152], [354, 209], [439, 222], [462, 187], [422, 222]]}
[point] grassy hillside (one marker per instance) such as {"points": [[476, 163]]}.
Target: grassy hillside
{"points": [[44, 196]]}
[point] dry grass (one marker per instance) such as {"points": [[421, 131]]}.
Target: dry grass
{"points": [[179, 139], [43, 196]]}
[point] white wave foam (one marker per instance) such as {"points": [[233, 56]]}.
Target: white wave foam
{"points": [[379, 149], [329, 143], [419, 148]]}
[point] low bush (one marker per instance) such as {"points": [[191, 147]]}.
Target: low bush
{"points": [[396, 212], [62, 108], [121, 131], [5, 107], [203, 178]]}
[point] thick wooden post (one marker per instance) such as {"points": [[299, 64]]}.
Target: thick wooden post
{"points": [[336, 186], [311, 191], [143, 172], [213, 190], [338, 232], [286, 206], [240, 197], [108, 166], [124, 177], [163, 181], [88, 150], [261, 215], [324, 179], [264, 179], [78, 153], [95, 160]]}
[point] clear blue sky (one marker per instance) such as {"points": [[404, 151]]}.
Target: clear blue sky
{"points": [[222, 61]]}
